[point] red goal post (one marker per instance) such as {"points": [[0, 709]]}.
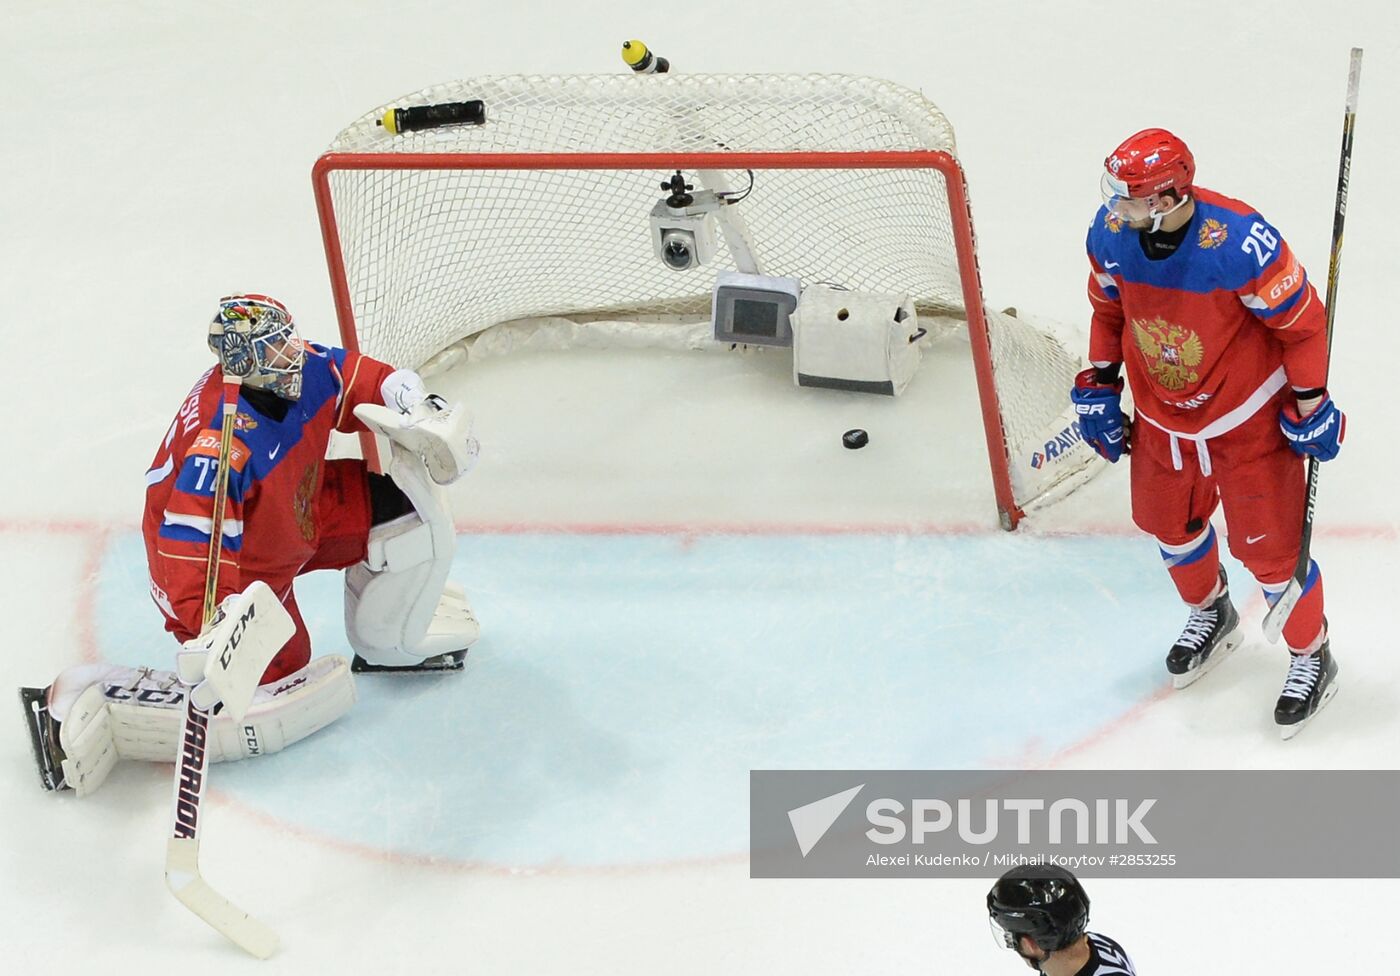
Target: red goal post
{"points": [[432, 237]]}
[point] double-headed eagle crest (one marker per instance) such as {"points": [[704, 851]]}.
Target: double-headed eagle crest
{"points": [[1172, 352], [304, 501]]}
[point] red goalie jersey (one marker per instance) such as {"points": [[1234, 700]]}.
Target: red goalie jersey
{"points": [[289, 510], [1208, 337]]}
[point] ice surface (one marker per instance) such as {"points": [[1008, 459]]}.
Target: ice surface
{"points": [[680, 572]]}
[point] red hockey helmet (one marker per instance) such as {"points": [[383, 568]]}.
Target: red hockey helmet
{"points": [[1150, 162]]}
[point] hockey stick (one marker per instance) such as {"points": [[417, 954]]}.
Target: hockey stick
{"points": [[1278, 614], [182, 875]]}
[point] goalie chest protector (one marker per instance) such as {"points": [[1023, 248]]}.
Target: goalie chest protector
{"points": [[858, 341]]}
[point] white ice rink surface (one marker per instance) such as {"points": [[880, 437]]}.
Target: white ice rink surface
{"points": [[159, 156]]}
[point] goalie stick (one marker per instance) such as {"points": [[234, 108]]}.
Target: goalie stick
{"points": [[1278, 614], [182, 875]]}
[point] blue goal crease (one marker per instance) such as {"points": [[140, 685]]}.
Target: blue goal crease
{"points": [[624, 686]]}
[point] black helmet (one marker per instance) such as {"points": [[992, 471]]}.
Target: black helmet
{"points": [[1043, 901]]}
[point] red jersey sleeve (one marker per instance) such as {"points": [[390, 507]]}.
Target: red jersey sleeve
{"points": [[1106, 327], [1276, 290], [360, 380]]}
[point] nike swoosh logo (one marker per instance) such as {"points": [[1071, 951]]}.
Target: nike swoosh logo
{"points": [[1110, 265], [1251, 540], [272, 454]]}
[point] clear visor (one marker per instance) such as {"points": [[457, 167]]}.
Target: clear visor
{"points": [[1005, 939], [1122, 204]]}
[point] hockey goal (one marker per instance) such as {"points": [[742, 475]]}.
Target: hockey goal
{"points": [[434, 237]]}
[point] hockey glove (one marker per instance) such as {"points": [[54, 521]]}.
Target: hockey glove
{"points": [[1100, 410], [403, 390], [1319, 434]]}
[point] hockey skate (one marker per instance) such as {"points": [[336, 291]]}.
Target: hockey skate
{"points": [[43, 736], [1311, 683], [450, 661], [1210, 635]]}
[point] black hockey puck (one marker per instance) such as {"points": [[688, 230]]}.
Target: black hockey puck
{"points": [[855, 439]]}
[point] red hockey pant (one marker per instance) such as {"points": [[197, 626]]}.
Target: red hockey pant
{"points": [[1259, 482], [343, 521]]}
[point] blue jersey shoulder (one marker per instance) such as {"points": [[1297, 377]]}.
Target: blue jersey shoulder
{"points": [[323, 375], [1246, 244], [1106, 235]]}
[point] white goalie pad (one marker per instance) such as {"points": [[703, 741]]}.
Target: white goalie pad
{"points": [[109, 712], [399, 607]]}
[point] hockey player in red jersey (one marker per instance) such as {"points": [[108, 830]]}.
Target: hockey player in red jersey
{"points": [[1223, 339], [290, 510], [1040, 911]]}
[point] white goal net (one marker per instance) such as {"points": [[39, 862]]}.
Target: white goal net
{"points": [[435, 236]]}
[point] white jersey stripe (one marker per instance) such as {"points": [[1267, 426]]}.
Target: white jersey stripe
{"points": [[233, 528], [157, 475]]}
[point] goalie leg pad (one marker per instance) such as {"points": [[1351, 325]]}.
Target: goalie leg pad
{"points": [[109, 712], [400, 609]]}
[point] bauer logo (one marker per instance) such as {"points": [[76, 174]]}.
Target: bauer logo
{"points": [[881, 823]]}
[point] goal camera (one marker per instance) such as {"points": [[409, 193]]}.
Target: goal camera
{"points": [[683, 225]]}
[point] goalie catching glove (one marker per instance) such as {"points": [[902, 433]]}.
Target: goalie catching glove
{"points": [[424, 424]]}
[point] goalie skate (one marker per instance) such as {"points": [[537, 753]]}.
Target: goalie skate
{"points": [[43, 737], [1311, 683], [1211, 634], [450, 661]]}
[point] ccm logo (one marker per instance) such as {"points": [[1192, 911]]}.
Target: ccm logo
{"points": [[236, 635]]}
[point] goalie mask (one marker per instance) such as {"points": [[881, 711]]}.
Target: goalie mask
{"points": [[254, 338]]}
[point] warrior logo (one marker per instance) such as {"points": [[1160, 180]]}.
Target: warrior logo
{"points": [[1213, 233], [190, 788], [1172, 352]]}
